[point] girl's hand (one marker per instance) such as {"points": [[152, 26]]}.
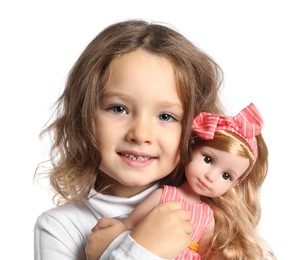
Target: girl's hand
{"points": [[165, 231], [102, 235]]}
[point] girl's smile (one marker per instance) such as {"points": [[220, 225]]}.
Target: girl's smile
{"points": [[135, 159]]}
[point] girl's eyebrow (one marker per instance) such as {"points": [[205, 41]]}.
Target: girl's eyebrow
{"points": [[116, 94], [164, 103], [168, 104]]}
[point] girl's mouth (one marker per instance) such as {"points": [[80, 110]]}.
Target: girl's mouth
{"points": [[136, 158]]}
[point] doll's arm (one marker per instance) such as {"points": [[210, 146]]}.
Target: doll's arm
{"points": [[142, 209], [106, 230], [163, 233]]}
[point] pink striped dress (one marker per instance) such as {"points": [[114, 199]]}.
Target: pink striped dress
{"points": [[201, 216]]}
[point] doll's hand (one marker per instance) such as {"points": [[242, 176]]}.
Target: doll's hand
{"points": [[165, 231], [102, 235]]}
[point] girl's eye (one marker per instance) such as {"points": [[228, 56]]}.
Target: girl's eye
{"points": [[118, 110], [207, 159], [166, 117], [226, 176]]}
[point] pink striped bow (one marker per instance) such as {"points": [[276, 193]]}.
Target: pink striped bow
{"points": [[247, 124]]}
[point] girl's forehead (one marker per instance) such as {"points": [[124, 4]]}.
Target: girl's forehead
{"points": [[141, 70]]}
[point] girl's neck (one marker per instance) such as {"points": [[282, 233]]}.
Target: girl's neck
{"points": [[188, 194], [112, 187]]}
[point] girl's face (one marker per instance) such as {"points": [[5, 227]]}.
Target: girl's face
{"points": [[139, 123], [213, 172]]}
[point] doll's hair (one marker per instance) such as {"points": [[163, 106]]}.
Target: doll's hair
{"points": [[74, 153], [237, 212]]}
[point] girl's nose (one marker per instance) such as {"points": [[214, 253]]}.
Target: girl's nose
{"points": [[140, 131]]}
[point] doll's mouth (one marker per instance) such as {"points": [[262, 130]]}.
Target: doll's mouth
{"points": [[203, 184]]}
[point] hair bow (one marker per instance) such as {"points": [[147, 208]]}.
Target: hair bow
{"points": [[247, 124]]}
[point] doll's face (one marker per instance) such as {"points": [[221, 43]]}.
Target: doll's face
{"points": [[213, 172], [139, 123]]}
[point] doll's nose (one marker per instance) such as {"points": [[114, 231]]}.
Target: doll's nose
{"points": [[210, 176]]}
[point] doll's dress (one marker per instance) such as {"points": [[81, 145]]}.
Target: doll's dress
{"points": [[201, 217]]}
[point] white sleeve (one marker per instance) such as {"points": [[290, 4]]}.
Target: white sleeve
{"points": [[125, 247], [56, 240]]}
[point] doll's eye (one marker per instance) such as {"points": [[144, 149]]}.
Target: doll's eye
{"points": [[207, 159], [226, 176]]}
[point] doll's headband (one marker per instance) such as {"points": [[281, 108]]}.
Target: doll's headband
{"points": [[247, 124]]}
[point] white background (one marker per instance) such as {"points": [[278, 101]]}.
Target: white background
{"points": [[260, 45]]}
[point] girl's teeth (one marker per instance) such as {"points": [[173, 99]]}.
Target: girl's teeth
{"points": [[137, 158]]}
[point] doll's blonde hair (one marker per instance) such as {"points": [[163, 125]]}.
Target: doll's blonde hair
{"points": [[237, 212]]}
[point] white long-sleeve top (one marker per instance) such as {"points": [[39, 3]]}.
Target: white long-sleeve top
{"points": [[62, 232]]}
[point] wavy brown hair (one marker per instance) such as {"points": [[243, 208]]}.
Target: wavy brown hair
{"points": [[237, 212], [74, 154]]}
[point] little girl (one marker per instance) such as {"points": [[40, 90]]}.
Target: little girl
{"points": [[121, 127], [224, 153]]}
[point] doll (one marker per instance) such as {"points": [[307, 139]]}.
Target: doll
{"points": [[224, 151]]}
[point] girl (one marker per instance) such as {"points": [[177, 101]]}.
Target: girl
{"points": [[228, 163], [129, 100]]}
